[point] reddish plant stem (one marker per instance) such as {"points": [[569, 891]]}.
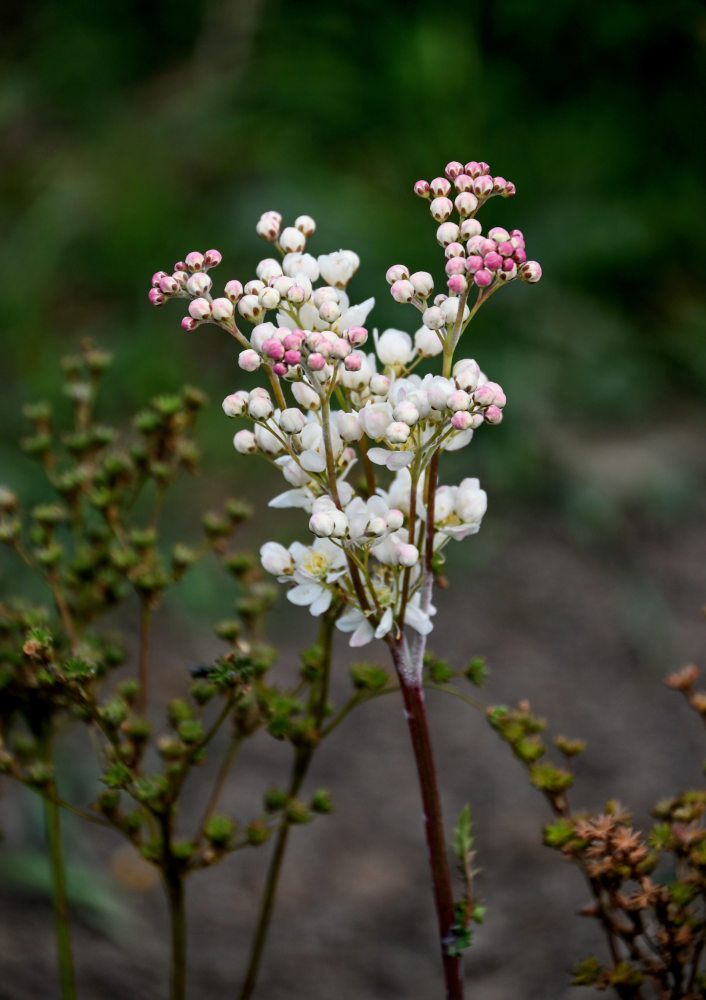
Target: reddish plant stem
{"points": [[416, 716]]}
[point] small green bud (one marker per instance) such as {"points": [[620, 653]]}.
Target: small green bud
{"points": [[193, 398], [239, 563], [137, 728], [297, 812], [40, 773], [215, 525], [182, 850], [587, 972], [219, 830], [275, 799], [321, 801], [477, 671], [439, 670], [257, 833], [108, 803], [38, 413], [114, 712], [10, 530], [228, 629], [117, 775], [8, 500], [202, 691], [570, 748], [368, 676], [50, 513], [238, 510], [191, 731]]}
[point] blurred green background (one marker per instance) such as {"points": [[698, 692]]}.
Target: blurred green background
{"points": [[135, 133]]}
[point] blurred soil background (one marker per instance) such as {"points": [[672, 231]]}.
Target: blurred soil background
{"points": [[134, 133]]}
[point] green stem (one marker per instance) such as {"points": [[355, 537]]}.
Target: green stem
{"points": [[144, 657], [61, 899], [174, 884]]}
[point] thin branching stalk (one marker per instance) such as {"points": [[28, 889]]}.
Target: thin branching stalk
{"points": [[61, 899]]}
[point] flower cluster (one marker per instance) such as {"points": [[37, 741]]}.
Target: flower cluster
{"points": [[332, 403]]}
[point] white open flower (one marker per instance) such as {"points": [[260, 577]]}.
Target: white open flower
{"points": [[317, 567], [338, 268]]}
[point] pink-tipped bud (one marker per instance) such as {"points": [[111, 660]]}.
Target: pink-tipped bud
{"points": [[423, 283], [483, 186], [379, 385], [441, 208], [292, 357], [156, 297], [466, 373], [269, 298], [189, 323], [329, 312], [292, 420], [236, 404], [461, 420], [194, 261], [353, 362], [433, 318], [506, 248], [464, 182], [520, 255], [396, 273], [397, 432], [469, 228], [279, 368], [447, 233], [273, 348], [498, 234], [493, 261], [499, 185], [474, 263], [407, 554], [530, 271], [316, 361], [157, 277], [439, 187], [233, 290], [483, 278], [305, 224], [292, 341], [340, 349], [249, 308], [356, 336], [169, 285], [249, 360], [200, 309], [453, 169], [402, 290], [222, 310], [484, 168], [454, 250], [466, 203], [292, 240], [473, 168], [510, 190], [421, 189], [455, 265], [244, 442], [484, 395], [493, 415], [269, 225], [499, 397], [212, 258], [198, 283], [296, 295], [457, 284], [509, 270]]}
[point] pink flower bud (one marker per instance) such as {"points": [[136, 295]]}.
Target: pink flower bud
{"points": [[439, 187], [454, 250], [194, 261], [484, 395], [459, 400], [249, 360], [379, 385], [222, 310], [198, 283], [273, 348], [156, 297], [200, 309], [461, 420], [453, 169], [180, 266], [441, 208], [455, 265], [433, 318], [244, 442], [233, 290], [466, 203], [407, 554], [506, 248], [356, 336], [406, 412], [457, 284], [292, 340], [421, 189], [509, 270], [353, 362], [292, 420], [269, 225], [474, 263], [446, 233], [499, 185], [169, 285], [530, 271], [316, 361], [473, 168], [260, 407], [305, 224], [279, 368], [396, 273], [466, 373], [249, 308], [520, 255], [157, 277], [329, 312], [493, 415], [340, 349], [212, 258], [484, 168], [296, 295], [463, 183], [499, 399], [402, 290], [397, 432], [292, 240], [498, 234], [492, 261], [292, 357], [483, 186], [483, 278], [510, 189], [189, 323]]}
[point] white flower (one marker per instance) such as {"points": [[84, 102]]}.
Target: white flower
{"points": [[374, 419], [300, 263], [316, 568], [338, 268], [356, 621], [355, 315], [276, 559], [427, 342], [394, 348]]}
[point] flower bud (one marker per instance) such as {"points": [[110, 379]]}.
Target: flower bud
{"points": [[466, 203], [379, 385], [269, 298], [235, 405], [305, 224], [375, 527], [394, 347], [498, 234], [455, 265], [461, 420], [268, 268], [423, 283], [349, 426], [439, 391], [356, 335], [292, 240], [407, 554], [458, 400], [322, 524], [463, 183], [254, 287], [306, 396], [520, 255], [244, 442], [457, 284], [296, 295], [406, 412], [222, 310], [269, 225], [454, 250], [292, 420], [260, 407], [200, 309], [156, 297], [509, 270], [395, 519], [447, 233], [441, 208], [249, 308], [189, 323], [212, 258], [233, 290], [474, 263], [493, 415], [402, 290], [194, 261], [470, 228], [466, 373], [316, 361], [292, 357], [483, 186], [354, 362], [450, 309], [473, 168], [273, 348], [439, 187], [249, 361], [421, 189], [169, 285], [397, 432], [433, 318], [276, 559], [374, 419], [510, 190], [483, 278], [453, 169], [492, 261], [530, 271], [427, 342], [157, 277], [484, 395], [396, 273]]}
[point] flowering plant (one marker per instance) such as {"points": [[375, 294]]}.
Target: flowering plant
{"points": [[328, 405]]}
